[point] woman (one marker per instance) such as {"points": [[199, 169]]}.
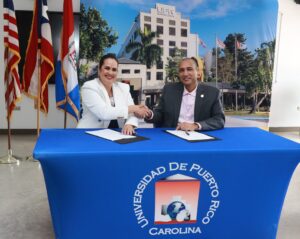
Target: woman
{"points": [[107, 103]]}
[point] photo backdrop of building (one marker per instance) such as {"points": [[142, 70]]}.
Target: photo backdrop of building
{"points": [[245, 28], [173, 32]]}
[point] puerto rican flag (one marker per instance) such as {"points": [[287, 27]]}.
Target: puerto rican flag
{"points": [[66, 81], [39, 60], [11, 57]]}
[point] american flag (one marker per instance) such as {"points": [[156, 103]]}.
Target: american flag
{"points": [[66, 81], [11, 57], [39, 45], [220, 43]]}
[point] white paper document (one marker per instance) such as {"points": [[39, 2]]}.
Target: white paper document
{"points": [[109, 134], [190, 135]]}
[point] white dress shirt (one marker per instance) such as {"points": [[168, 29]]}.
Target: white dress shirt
{"points": [[187, 107]]}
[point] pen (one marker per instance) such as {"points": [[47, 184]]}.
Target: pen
{"points": [[186, 132]]}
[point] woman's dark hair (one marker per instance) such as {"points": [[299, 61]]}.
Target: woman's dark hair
{"points": [[107, 56]]}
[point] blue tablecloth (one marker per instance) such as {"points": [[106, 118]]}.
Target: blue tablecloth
{"points": [[166, 187]]}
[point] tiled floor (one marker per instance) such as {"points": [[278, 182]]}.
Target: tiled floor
{"points": [[24, 210]]}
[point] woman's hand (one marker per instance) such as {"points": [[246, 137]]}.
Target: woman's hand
{"points": [[128, 129], [140, 111]]}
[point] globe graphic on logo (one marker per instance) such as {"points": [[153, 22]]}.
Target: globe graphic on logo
{"points": [[174, 208]]}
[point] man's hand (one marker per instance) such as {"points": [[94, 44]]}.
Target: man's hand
{"points": [[142, 111], [187, 126]]}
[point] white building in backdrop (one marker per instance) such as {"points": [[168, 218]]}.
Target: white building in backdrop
{"points": [[174, 31]]}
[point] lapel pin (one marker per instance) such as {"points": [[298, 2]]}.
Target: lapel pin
{"points": [[202, 96]]}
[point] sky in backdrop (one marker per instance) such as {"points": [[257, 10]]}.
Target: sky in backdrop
{"points": [[209, 18]]}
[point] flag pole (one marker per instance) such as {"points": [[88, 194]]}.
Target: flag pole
{"points": [[30, 157], [9, 159], [65, 113], [235, 57], [39, 89], [216, 61], [235, 66]]}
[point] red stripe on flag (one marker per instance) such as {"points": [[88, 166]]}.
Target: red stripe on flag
{"points": [[68, 28], [11, 19], [11, 59]]}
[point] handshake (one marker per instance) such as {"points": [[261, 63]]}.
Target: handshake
{"points": [[140, 111]]}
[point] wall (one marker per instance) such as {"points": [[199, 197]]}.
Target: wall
{"points": [[25, 118], [285, 104]]}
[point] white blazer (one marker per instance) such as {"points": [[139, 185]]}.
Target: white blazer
{"points": [[97, 109]]}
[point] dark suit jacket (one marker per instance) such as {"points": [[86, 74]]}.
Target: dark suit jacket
{"points": [[208, 109]]}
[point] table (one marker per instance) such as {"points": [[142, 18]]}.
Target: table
{"points": [[166, 187]]}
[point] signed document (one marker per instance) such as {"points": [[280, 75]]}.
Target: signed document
{"points": [[116, 136], [193, 136], [110, 134]]}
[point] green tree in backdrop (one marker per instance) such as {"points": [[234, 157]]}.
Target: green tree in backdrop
{"points": [[144, 50], [172, 66], [263, 76], [240, 67], [95, 36]]}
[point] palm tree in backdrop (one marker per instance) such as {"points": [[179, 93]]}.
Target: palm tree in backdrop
{"points": [[144, 50]]}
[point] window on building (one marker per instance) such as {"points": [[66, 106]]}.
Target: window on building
{"points": [[135, 34], [183, 44], [160, 30], [147, 19], [160, 65], [172, 31], [148, 75], [184, 32], [147, 27], [184, 52], [125, 71], [172, 22], [160, 20], [159, 76], [137, 71], [160, 42], [172, 43], [172, 52], [184, 24]]}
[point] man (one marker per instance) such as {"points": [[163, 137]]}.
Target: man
{"points": [[188, 105]]}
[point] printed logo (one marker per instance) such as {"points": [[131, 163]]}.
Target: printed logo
{"points": [[72, 55], [176, 200], [176, 206]]}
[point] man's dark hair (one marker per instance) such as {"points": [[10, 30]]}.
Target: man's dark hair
{"points": [[193, 59], [196, 61], [108, 56]]}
